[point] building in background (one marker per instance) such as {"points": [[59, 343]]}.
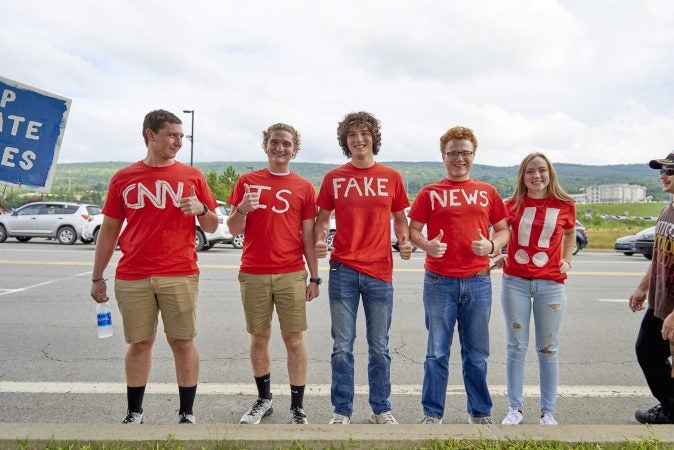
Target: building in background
{"points": [[615, 193]]}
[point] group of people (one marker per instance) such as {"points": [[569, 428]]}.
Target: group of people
{"points": [[286, 228]]}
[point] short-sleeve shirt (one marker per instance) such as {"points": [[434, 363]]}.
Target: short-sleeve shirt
{"points": [[661, 286], [363, 200], [273, 234], [536, 234], [159, 238], [459, 209]]}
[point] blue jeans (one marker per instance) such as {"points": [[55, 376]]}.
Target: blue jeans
{"points": [[346, 286], [547, 298], [468, 302]]}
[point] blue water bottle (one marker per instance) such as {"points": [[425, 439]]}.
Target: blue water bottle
{"points": [[104, 316]]}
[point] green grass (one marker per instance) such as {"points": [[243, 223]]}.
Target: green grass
{"points": [[619, 209]]}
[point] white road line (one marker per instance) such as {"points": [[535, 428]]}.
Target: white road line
{"points": [[11, 291], [318, 390], [614, 300]]}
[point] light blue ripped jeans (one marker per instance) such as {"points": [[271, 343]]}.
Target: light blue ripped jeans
{"points": [[547, 298]]}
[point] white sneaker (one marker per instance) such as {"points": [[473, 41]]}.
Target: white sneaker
{"points": [[133, 417], [514, 417], [430, 420], [474, 420], [338, 419], [261, 408], [385, 418], [548, 419], [186, 418]]}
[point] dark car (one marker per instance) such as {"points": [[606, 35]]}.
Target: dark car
{"points": [[581, 238], [626, 245], [645, 240]]}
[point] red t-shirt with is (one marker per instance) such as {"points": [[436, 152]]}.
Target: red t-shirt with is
{"points": [[459, 209], [158, 239], [536, 231], [273, 234], [363, 200]]}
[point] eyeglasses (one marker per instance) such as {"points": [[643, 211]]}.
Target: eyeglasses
{"points": [[455, 155], [668, 172]]}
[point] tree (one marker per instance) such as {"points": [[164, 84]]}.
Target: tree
{"points": [[223, 184]]}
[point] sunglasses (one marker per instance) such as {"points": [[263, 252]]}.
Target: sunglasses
{"points": [[668, 172]]}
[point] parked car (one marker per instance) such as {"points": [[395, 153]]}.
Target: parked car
{"points": [[581, 238], [645, 240], [56, 220], [394, 240], [626, 245]]}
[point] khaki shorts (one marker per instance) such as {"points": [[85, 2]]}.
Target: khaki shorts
{"points": [[140, 301], [288, 291]]}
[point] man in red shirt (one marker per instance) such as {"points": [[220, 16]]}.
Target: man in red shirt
{"points": [[363, 195], [457, 212], [276, 209], [158, 198]]}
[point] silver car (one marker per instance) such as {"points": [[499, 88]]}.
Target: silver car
{"points": [[57, 220]]}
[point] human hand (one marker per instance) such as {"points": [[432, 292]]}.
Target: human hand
{"points": [[321, 245], [436, 248], [99, 291], [191, 206], [637, 300], [482, 246], [405, 248], [250, 201]]}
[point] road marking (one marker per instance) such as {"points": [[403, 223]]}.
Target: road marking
{"points": [[11, 291], [318, 390], [614, 300]]}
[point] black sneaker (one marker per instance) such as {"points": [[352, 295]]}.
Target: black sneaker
{"points": [[186, 418], [297, 416], [133, 417], [654, 415]]}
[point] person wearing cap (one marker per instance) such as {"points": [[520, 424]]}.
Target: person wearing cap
{"points": [[458, 212], [364, 195], [655, 341]]}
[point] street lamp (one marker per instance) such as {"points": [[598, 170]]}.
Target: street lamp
{"points": [[191, 135]]}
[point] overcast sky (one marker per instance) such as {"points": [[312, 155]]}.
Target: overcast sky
{"points": [[589, 82]]}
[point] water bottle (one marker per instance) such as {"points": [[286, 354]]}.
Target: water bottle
{"points": [[104, 316]]}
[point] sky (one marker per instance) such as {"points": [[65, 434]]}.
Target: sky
{"points": [[587, 82]]}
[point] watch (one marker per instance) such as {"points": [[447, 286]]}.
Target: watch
{"points": [[318, 281], [205, 210]]}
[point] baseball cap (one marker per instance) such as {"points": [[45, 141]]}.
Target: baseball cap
{"points": [[658, 163]]}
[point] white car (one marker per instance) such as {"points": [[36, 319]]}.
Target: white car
{"points": [[56, 220]]}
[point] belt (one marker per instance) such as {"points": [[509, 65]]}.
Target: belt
{"points": [[482, 272]]}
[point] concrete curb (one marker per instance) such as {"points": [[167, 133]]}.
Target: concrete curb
{"points": [[319, 436]]}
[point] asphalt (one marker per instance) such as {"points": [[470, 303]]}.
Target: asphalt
{"points": [[33, 435]]}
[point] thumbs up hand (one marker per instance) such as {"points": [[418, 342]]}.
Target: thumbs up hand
{"points": [[436, 247], [321, 246], [482, 246], [191, 206], [405, 247], [250, 201]]}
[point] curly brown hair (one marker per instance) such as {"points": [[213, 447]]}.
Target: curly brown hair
{"points": [[155, 120], [363, 119], [458, 133], [282, 127]]}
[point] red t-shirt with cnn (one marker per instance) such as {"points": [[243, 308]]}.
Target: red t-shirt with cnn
{"points": [[459, 209], [363, 200], [158, 239], [273, 234], [536, 231]]}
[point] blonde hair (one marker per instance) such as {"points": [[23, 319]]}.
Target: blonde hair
{"points": [[553, 188]]}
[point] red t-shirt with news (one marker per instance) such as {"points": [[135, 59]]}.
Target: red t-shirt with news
{"points": [[536, 231], [363, 200], [459, 209], [158, 239], [273, 234]]}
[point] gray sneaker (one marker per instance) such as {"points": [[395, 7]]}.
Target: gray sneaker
{"points": [[261, 408], [297, 416], [486, 420], [385, 418], [430, 420], [133, 417], [186, 418], [339, 419]]}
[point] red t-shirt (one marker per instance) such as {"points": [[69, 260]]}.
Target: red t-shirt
{"points": [[273, 234], [536, 231], [158, 239], [460, 209], [363, 200]]}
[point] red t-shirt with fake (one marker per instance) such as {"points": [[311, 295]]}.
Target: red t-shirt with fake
{"points": [[536, 231], [273, 234], [363, 200], [459, 209], [158, 239]]}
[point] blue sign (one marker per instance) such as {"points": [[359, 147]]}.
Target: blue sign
{"points": [[32, 123]]}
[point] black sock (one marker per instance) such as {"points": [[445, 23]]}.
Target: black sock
{"points": [[187, 395], [134, 398], [264, 386], [296, 396]]}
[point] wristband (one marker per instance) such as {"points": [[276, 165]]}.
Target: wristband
{"points": [[205, 209], [96, 280], [238, 211], [492, 247]]}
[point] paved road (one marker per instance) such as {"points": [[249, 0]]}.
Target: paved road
{"points": [[54, 369]]}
